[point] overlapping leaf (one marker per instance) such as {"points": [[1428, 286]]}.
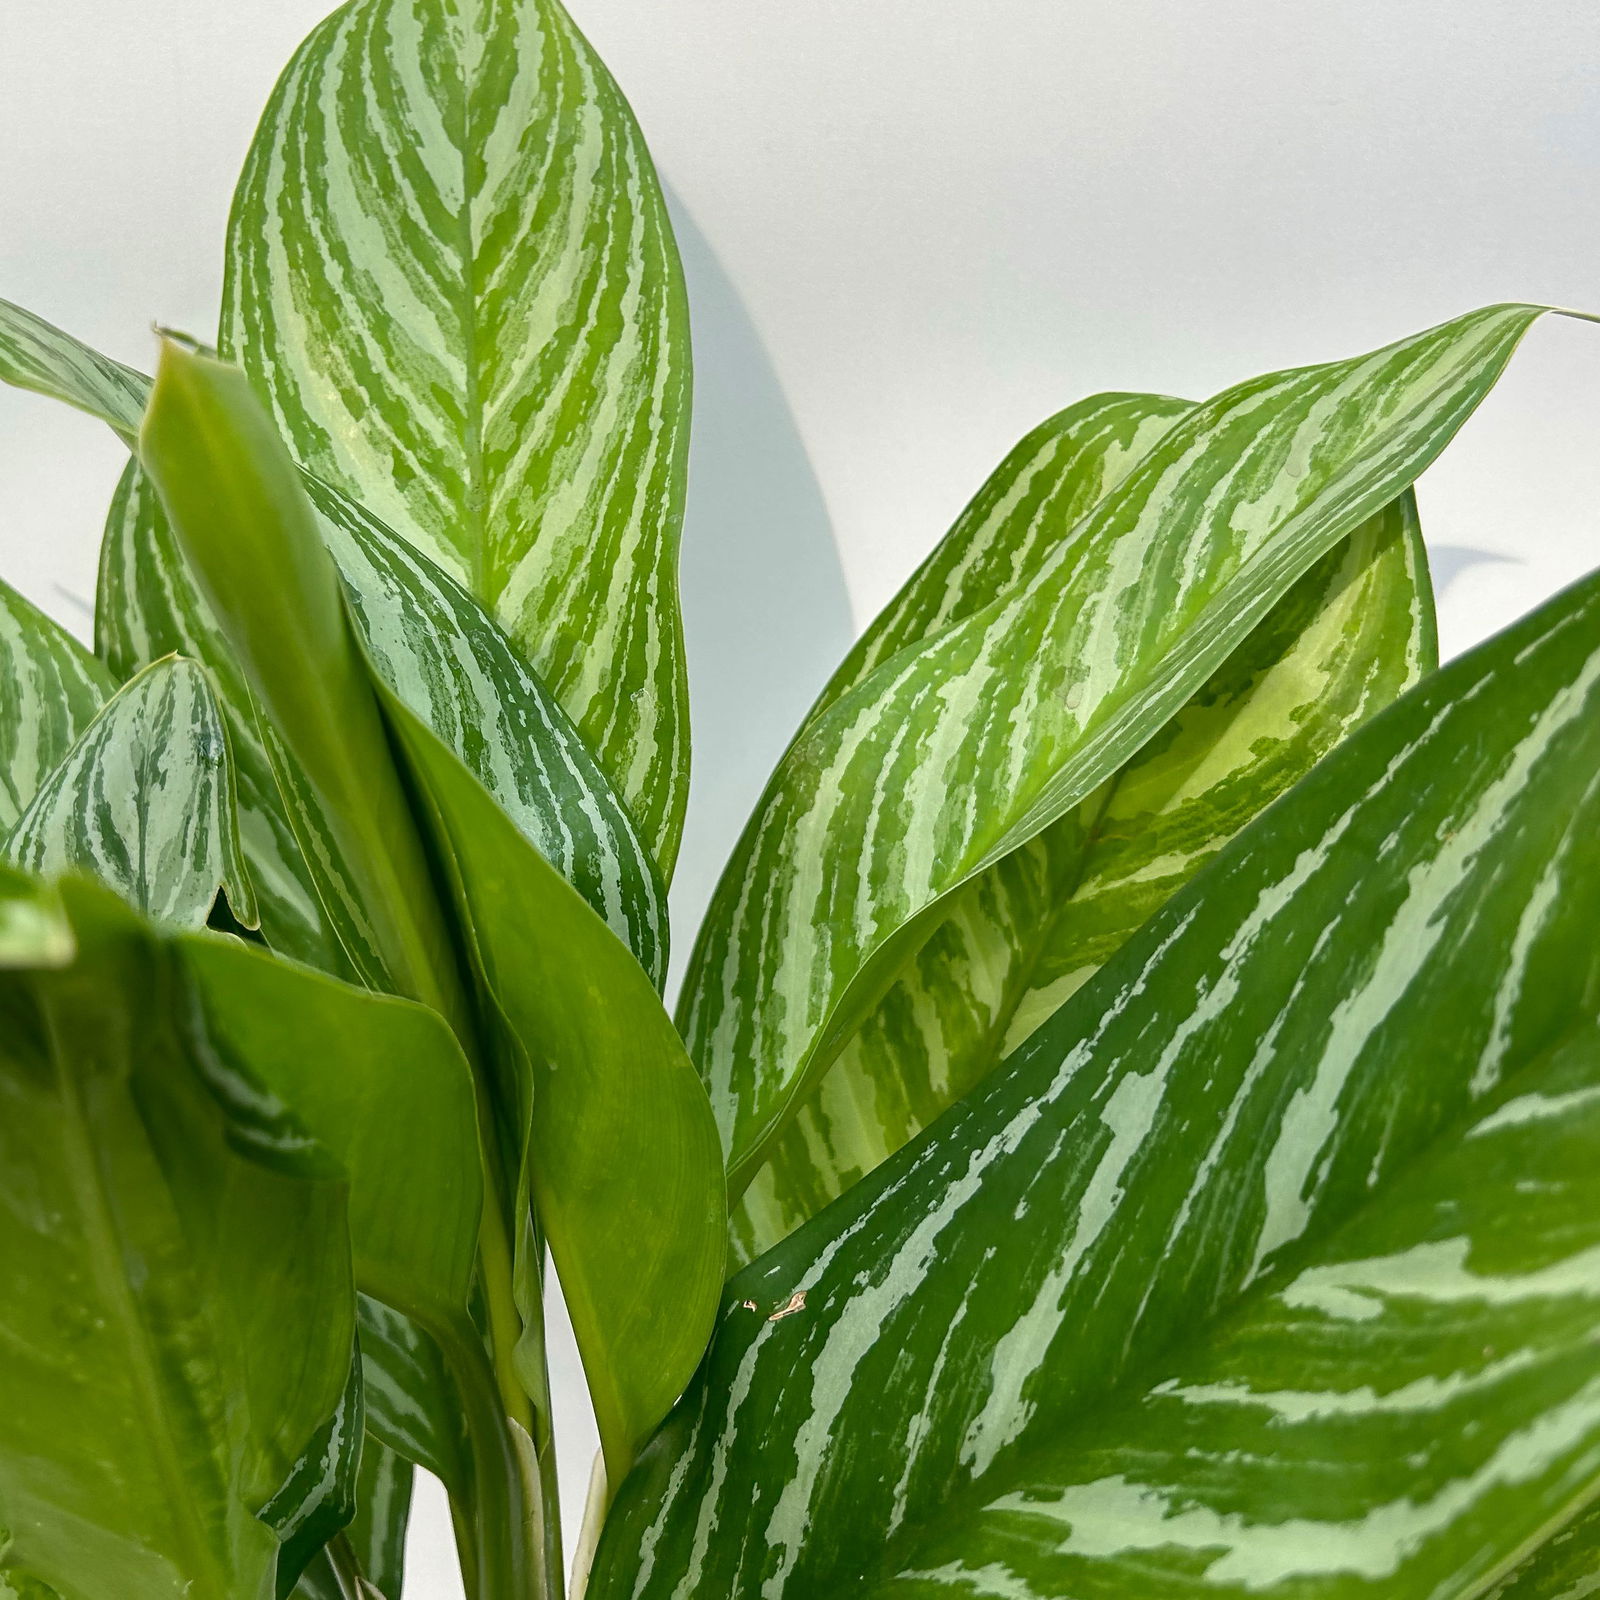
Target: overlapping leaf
{"points": [[35, 355], [50, 690], [1254, 1101], [624, 1162], [953, 754], [1014, 943], [144, 802], [178, 1315], [450, 273]]}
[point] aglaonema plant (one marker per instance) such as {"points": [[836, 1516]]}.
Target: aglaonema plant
{"points": [[1130, 1125]]}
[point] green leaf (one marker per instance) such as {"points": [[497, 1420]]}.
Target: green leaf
{"points": [[383, 1510], [409, 1403], [147, 607], [956, 752], [1352, 634], [439, 649], [623, 1157], [143, 801], [1269, 1081], [318, 1498], [451, 275], [34, 355], [239, 513], [383, 1086], [178, 1316], [50, 689], [1566, 1567]]}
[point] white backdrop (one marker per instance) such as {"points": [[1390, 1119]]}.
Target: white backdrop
{"points": [[913, 228]]}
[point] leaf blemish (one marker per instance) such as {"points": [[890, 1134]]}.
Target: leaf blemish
{"points": [[795, 1302]]}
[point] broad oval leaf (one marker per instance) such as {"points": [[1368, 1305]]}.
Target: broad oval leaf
{"points": [[178, 1315], [623, 1159], [451, 275], [1384, 959], [50, 690], [953, 754], [1351, 635], [144, 802]]}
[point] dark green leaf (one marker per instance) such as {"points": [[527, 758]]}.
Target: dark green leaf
{"points": [[1274, 1075]]}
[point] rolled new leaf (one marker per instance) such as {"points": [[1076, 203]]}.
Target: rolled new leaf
{"points": [[144, 801], [525, 425], [956, 752], [179, 1311], [50, 690], [1234, 1279], [243, 522]]}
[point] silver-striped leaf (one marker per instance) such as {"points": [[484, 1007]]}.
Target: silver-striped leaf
{"points": [[1385, 958], [50, 690], [144, 801], [147, 607], [954, 753], [36, 355], [1015, 943], [438, 648], [451, 275]]}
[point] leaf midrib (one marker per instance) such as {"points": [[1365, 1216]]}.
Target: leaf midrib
{"points": [[97, 1214]]}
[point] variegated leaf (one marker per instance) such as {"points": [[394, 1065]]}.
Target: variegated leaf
{"points": [[439, 650], [1255, 1109], [146, 607], [50, 690], [954, 753], [144, 802], [409, 1405], [35, 355], [450, 273], [1351, 635], [1565, 1567]]}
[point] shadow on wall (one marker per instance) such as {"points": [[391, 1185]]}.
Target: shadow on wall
{"points": [[765, 607]]}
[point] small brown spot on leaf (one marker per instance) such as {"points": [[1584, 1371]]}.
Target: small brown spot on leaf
{"points": [[795, 1302]]}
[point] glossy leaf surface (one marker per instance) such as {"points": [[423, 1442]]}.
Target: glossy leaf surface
{"points": [[50, 690], [1016, 942], [1384, 959], [383, 1086], [451, 275], [953, 754], [178, 1315], [144, 802], [623, 1156]]}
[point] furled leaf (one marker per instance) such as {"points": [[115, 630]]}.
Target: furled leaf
{"points": [[383, 1086], [623, 1161], [143, 801], [34, 355], [178, 1313], [147, 607], [50, 690], [317, 1501], [240, 515], [1013, 944], [954, 753], [451, 275], [1259, 1096]]}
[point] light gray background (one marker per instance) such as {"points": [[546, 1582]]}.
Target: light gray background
{"points": [[912, 228]]}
